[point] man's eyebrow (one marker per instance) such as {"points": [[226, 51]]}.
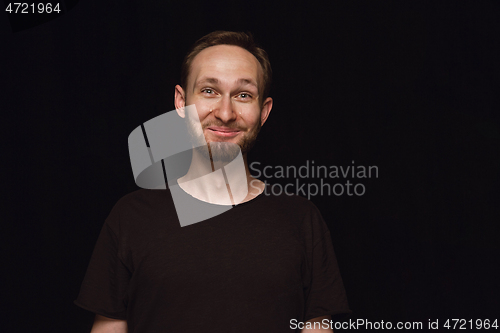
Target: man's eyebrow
{"points": [[211, 80], [248, 81]]}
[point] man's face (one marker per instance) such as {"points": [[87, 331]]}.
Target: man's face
{"points": [[223, 84]]}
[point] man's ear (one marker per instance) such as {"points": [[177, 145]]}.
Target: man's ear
{"points": [[180, 101], [266, 110]]}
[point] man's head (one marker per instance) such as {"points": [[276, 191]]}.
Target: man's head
{"points": [[241, 39], [228, 78]]}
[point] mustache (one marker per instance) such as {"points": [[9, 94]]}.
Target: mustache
{"points": [[220, 124]]}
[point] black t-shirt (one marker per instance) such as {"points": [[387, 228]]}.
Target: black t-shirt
{"points": [[253, 268]]}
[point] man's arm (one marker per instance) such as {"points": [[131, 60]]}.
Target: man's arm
{"points": [[108, 325], [318, 330]]}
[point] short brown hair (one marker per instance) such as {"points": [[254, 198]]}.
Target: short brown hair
{"points": [[241, 39]]}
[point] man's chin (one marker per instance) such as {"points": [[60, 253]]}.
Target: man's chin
{"points": [[220, 151]]}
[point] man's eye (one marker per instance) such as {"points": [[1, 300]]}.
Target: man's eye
{"points": [[208, 91], [245, 95]]}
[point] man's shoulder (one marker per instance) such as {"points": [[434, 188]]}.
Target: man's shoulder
{"points": [[141, 194], [291, 200], [299, 209], [141, 198], [139, 208]]}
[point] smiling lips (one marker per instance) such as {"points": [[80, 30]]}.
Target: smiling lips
{"points": [[223, 131]]}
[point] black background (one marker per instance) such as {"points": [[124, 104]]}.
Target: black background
{"points": [[409, 86]]}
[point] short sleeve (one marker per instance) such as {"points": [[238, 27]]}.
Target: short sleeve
{"points": [[325, 293], [104, 287]]}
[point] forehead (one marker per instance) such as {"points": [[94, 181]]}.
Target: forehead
{"points": [[227, 62]]}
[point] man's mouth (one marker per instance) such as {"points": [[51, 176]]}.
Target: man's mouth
{"points": [[223, 131]]}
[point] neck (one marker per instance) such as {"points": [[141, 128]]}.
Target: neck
{"points": [[220, 183]]}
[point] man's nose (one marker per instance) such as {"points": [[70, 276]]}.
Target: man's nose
{"points": [[224, 110]]}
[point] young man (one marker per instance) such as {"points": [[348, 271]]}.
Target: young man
{"points": [[265, 265]]}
